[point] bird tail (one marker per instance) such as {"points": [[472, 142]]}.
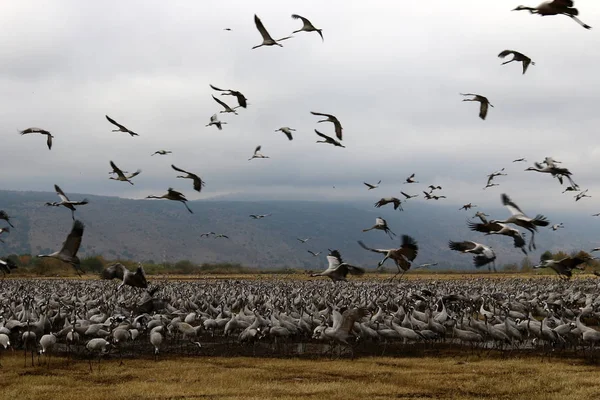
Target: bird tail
{"points": [[540, 220]]}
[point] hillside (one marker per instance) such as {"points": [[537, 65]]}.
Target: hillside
{"points": [[149, 230]]}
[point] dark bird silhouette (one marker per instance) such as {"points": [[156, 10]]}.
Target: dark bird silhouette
{"points": [[334, 120], [173, 195], [387, 200], [43, 132], [68, 252], [241, 99], [134, 279], [563, 267], [495, 228], [519, 57], [484, 103], [328, 139], [6, 266], [198, 182], [267, 39], [402, 256], [556, 7], [121, 175], [409, 196], [121, 127], [371, 186], [307, 27], [411, 179]]}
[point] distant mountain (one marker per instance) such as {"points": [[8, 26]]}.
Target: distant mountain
{"points": [[161, 230]]}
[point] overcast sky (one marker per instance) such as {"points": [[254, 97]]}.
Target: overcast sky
{"points": [[390, 71]]}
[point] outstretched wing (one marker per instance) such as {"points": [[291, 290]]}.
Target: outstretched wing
{"points": [[381, 251], [60, 193], [179, 169], [71, 245], [512, 207], [116, 169], [461, 246], [322, 115], [114, 271], [323, 136], [409, 248], [261, 28], [136, 173], [504, 53], [216, 88], [112, 121], [222, 103]]}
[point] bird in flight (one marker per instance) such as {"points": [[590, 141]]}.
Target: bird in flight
{"points": [[519, 57], [41, 131], [257, 154], [520, 160], [402, 256], [121, 127], [65, 202], [161, 152], [267, 39], [371, 186], [68, 252], [303, 240], [484, 103], [328, 140], [287, 130], [313, 253], [198, 182], [334, 120], [411, 179], [381, 224], [387, 200], [121, 175], [409, 196], [227, 109], [467, 207], [259, 216], [555, 7], [307, 27], [173, 195], [214, 120], [4, 216], [241, 99]]}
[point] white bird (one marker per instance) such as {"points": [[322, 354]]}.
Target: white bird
{"points": [[43, 132], [555, 7], [484, 103], [287, 130], [519, 57], [267, 39], [307, 27], [65, 202], [337, 269], [426, 265], [133, 279], [68, 252], [226, 107], [257, 154], [214, 120], [483, 254], [381, 224], [121, 175], [121, 127]]}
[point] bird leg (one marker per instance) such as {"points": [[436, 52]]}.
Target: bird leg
{"points": [[580, 22]]}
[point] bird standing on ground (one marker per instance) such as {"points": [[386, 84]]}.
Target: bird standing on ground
{"points": [[43, 132], [121, 127], [519, 57], [65, 202], [334, 120], [402, 256], [121, 176], [173, 195], [134, 279], [381, 224], [287, 130], [484, 103], [555, 7], [68, 252], [267, 39], [328, 140], [307, 27], [257, 154], [198, 182]]}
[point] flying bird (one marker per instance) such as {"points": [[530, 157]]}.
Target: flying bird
{"points": [[121, 175], [520, 160], [133, 279], [328, 139], [267, 39], [214, 120], [227, 109], [259, 216], [593, 215], [387, 200], [520, 219], [467, 207], [41, 131], [426, 265], [411, 179], [409, 196], [552, 169], [433, 187], [241, 99], [483, 254], [429, 196], [121, 127], [173, 195], [198, 182], [161, 152], [337, 269], [6, 266], [493, 175], [556, 227], [519, 57], [68, 252], [65, 202], [257, 154], [4, 216], [287, 130], [370, 186], [402, 256], [581, 195], [207, 234], [381, 224], [563, 267], [313, 253], [556, 7], [334, 120], [307, 27], [220, 235], [495, 228], [303, 240], [484, 103]]}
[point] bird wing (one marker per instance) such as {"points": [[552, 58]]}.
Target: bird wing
{"points": [[305, 21], [323, 115], [216, 88], [353, 270], [198, 183], [323, 136], [461, 246], [136, 173], [334, 261], [60, 193], [222, 103], [381, 251], [409, 247], [405, 195], [483, 109], [512, 207], [179, 169], [380, 221], [257, 149], [261, 28], [485, 228], [482, 260], [112, 121], [114, 271], [504, 53], [117, 170], [49, 141], [176, 193], [337, 319], [71, 244], [369, 185], [338, 128]]}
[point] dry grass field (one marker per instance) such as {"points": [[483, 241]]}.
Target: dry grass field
{"points": [[265, 378]]}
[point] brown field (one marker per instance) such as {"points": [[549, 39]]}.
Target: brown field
{"points": [[265, 378]]}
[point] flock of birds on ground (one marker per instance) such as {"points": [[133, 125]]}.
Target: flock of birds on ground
{"points": [[303, 310]]}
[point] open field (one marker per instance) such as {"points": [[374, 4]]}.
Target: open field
{"points": [[260, 378]]}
